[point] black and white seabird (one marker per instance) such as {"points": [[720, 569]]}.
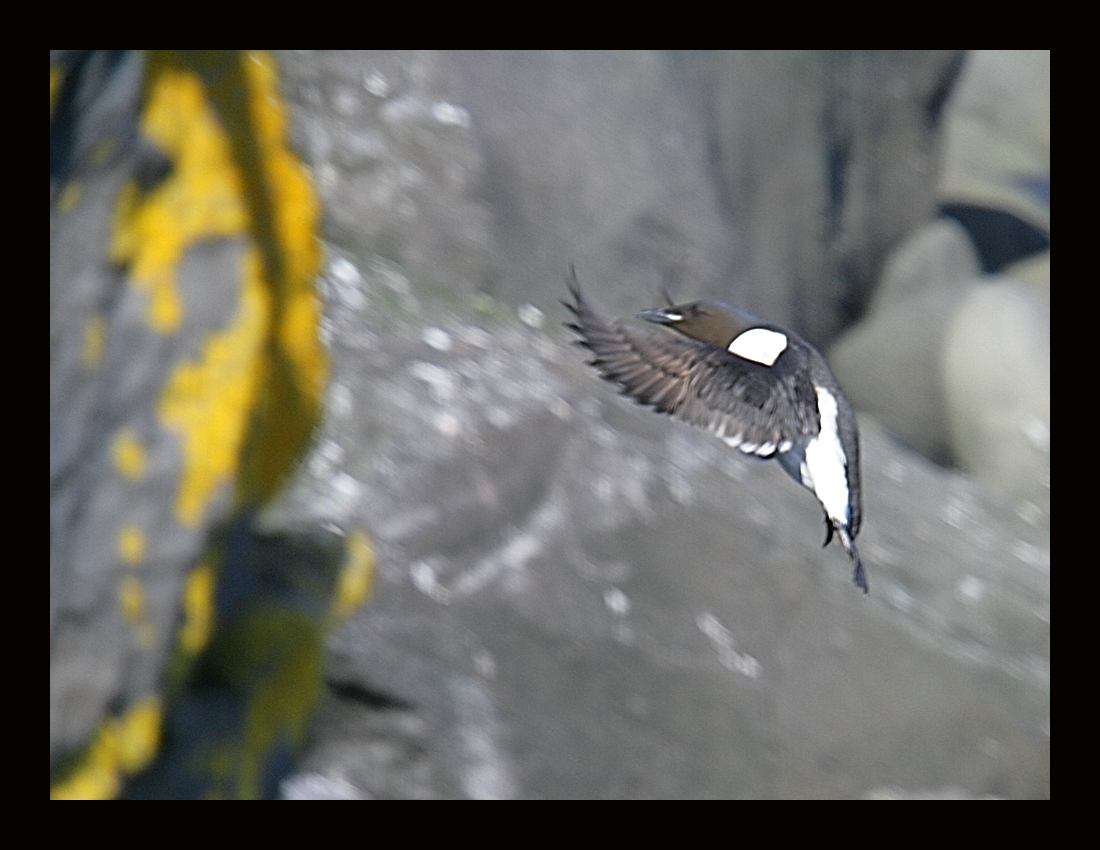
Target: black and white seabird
{"points": [[750, 382]]}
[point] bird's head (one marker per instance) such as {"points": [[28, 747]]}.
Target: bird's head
{"points": [[707, 321]]}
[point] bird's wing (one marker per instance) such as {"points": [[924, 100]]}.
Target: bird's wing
{"points": [[756, 408]]}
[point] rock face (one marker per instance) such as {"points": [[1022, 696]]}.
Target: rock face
{"points": [[575, 597], [580, 599], [996, 374], [952, 358]]}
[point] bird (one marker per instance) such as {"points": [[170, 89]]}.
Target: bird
{"points": [[754, 384]]}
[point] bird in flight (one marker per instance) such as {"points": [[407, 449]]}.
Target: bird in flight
{"points": [[755, 385]]}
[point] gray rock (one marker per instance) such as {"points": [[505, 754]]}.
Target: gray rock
{"points": [[577, 598], [889, 363], [996, 378]]}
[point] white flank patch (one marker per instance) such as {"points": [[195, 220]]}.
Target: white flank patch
{"points": [[824, 470], [759, 345]]}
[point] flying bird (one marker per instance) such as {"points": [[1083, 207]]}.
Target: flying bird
{"points": [[755, 385]]}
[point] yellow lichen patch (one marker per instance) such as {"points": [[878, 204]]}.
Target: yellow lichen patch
{"points": [[284, 229], [131, 545], [138, 733], [131, 602], [242, 395], [298, 338], [294, 201], [208, 403], [198, 609], [297, 369], [356, 576], [93, 343], [200, 199], [123, 746], [246, 407], [129, 455], [131, 599]]}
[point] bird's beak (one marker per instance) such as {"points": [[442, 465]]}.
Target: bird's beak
{"points": [[662, 316]]}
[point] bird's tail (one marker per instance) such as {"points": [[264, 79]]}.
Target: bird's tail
{"points": [[859, 576]]}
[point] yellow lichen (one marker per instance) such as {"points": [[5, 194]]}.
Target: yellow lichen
{"points": [[245, 407], [122, 746], [198, 609], [129, 455], [242, 397], [131, 545], [200, 199], [131, 597], [208, 401], [93, 343], [356, 576]]}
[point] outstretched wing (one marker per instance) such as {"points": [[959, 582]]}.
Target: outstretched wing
{"points": [[758, 409]]}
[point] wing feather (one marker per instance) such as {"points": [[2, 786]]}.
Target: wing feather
{"points": [[757, 408]]}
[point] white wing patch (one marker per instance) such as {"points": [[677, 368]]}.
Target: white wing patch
{"points": [[759, 345], [738, 441], [825, 469]]}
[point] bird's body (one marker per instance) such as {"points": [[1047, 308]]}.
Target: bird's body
{"points": [[755, 385]]}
